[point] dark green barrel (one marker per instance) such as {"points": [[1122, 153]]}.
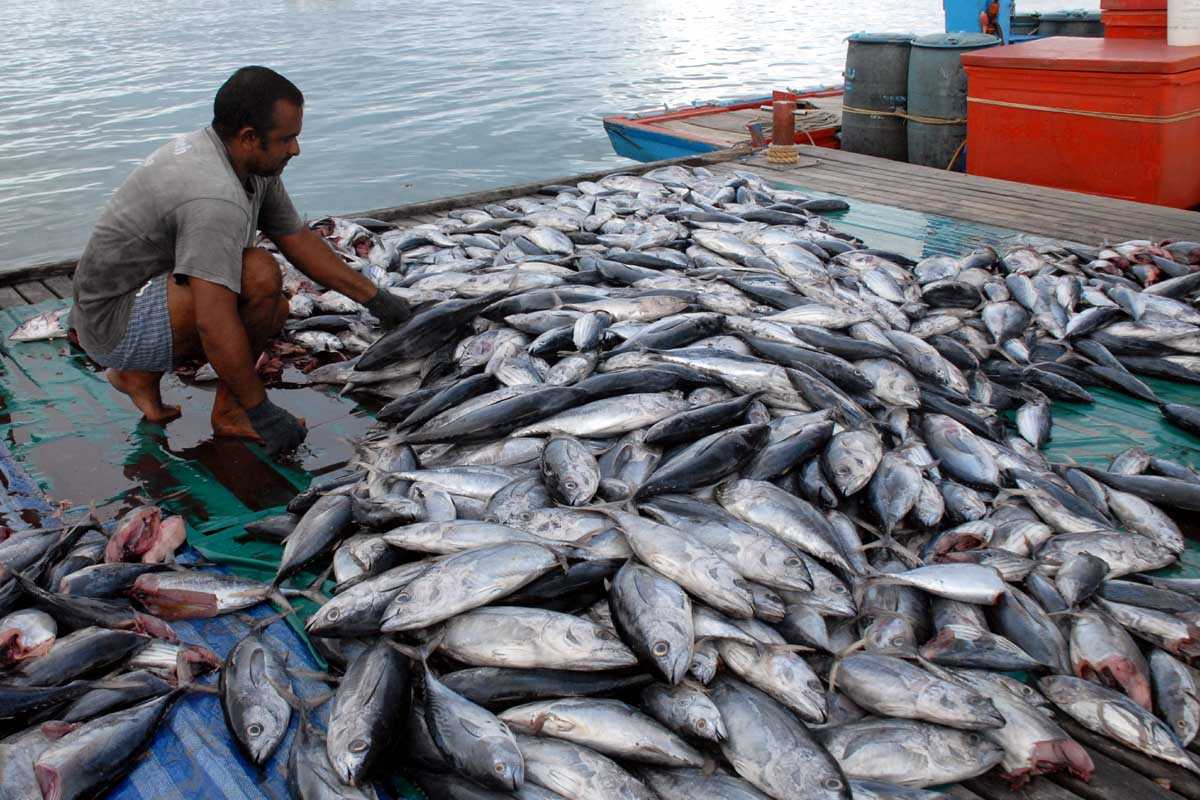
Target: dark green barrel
{"points": [[1025, 24], [937, 90], [876, 80], [1071, 23]]}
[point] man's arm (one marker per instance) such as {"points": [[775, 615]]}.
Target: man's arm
{"points": [[309, 253], [223, 336]]}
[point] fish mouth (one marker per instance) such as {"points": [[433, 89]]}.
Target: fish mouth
{"points": [[13, 651], [1118, 672]]}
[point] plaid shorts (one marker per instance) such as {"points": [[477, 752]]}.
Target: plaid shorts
{"points": [[147, 344]]}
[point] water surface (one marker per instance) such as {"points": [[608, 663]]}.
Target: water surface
{"points": [[405, 100]]}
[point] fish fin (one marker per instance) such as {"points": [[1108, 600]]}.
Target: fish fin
{"points": [[308, 594], [313, 675], [625, 504], [426, 649], [890, 542], [936, 669], [864, 524], [837, 663], [260, 625]]}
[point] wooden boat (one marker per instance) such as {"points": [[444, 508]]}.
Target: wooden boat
{"points": [[705, 127]]}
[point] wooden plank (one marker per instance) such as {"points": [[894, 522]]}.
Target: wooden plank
{"points": [[59, 284], [947, 204], [9, 298], [960, 792], [1043, 220], [1065, 223], [1131, 216], [13, 275], [730, 121], [992, 787], [34, 292], [942, 178], [692, 131], [1112, 781], [995, 185], [1178, 779]]}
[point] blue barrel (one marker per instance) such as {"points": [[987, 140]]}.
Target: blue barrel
{"points": [[1071, 23], [876, 81], [937, 97]]}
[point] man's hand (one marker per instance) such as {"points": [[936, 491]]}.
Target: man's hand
{"points": [[390, 310], [309, 253], [278, 429]]}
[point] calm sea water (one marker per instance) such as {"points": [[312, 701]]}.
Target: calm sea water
{"points": [[405, 100]]}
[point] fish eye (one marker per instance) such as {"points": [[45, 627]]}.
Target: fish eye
{"points": [[701, 724], [254, 729], [839, 589], [792, 562], [973, 738], [660, 649], [526, 516], [403, 597], [358, 746], [333, 614], [896, 641], [832, 784], [500, 768]]}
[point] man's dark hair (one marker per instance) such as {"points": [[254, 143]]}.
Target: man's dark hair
{"points": [[248, 98]]}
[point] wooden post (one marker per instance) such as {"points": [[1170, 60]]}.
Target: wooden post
{"points": [[783, 133]]}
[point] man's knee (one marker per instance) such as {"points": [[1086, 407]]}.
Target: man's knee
{"points": [[261, 279]]}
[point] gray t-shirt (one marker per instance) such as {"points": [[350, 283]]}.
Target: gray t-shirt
{"points": [[183, 211]]}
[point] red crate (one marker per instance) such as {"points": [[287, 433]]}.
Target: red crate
{"points": [[1134, 24], [1114, 117], [1133, 5]]}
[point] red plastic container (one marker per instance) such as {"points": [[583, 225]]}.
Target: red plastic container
{"points": [[1115, 117], [1134, 24], [1133, 5]]}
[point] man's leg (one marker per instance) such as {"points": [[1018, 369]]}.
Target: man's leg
{"points": [[263, 310], [142, 386], [143, 389]]}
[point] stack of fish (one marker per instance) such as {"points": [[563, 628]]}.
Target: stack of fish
{"points": [[680, 493]]}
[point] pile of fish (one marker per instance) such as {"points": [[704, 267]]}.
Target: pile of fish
{"points": [[680, 492]]}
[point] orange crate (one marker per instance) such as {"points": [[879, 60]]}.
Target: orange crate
{"points": [[1133, 5], [1134, 24], [1115, 117]]}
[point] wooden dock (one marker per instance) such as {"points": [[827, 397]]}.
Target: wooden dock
{"points": [[1121, 774], [1035, 210]]}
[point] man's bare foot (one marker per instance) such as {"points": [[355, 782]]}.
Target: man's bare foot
{"points": [[143, 389], [229, 418]]}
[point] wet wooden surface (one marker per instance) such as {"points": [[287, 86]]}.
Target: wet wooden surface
{"points": [[1053, 213]]}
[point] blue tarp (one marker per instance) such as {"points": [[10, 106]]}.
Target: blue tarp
{"points": [[192, 756]]}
